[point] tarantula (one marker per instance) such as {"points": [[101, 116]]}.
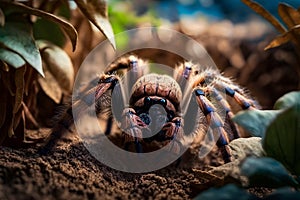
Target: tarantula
{"points": [[160, 103]]}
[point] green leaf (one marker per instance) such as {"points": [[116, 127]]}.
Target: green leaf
{"points": [[17, 37], [287, 100], [266, 172], [21, 8], [227, 192], [11, 58], [255, 121], [47, 30], [96, 12], [282, 139]]}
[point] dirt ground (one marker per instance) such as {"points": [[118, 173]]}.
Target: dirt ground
{"points": [[70, 172]]}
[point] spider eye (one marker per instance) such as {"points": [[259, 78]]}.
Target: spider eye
{"points": [[171, 115], [163, 102], [147, 101]]}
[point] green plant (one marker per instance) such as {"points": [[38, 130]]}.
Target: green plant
{"points": [[279, 129], [28, 65]]}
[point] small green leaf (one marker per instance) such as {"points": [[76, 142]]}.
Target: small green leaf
{"points": [[255, 121], [266, 172], [282, 139], [287, 100], [96, 12], [15, 7], [227, 192], [11, 58], [17, 36]]}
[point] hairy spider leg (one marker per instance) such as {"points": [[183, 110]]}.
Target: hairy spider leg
{"points": [[174, 132], [106, 82], [214, 121], [132, 126], [244, 102], [227, 108], [135, 68]]}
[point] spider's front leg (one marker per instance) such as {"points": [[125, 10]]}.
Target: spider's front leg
{"points": [[132, 126], [173, 131], [87, 99], [214, 121]]}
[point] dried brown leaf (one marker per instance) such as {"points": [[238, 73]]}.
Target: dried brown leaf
{"points": [[2, 18], [4, 66], [50, 86], [3, 105], [17, 118], [58, 63], [264, 13], [8, 81], [96, 12], [19, 82], [284, 38], [30, 76], [28, 115], [66, 26], [289, 15]]}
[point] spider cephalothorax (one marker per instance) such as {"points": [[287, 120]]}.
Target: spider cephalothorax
{"points": [[158, 105]]}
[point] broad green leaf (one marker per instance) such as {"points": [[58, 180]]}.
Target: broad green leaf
{"points": [[66, 26], [255, 121], [282, 139], [17, 36], [227, 192], [266, 172], [264, 13], [284, 38], [96, 12], [285, 193], [48, 30], [287, 100], [11, 58], [289, 15]]}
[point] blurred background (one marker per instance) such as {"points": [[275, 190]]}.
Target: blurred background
{"points": [[233, 34]]}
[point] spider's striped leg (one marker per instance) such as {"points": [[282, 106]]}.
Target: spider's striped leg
{"points": [[86, 100], [132, 126], [244, 102], [173, 131], [227, 108], [214, 122]]}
